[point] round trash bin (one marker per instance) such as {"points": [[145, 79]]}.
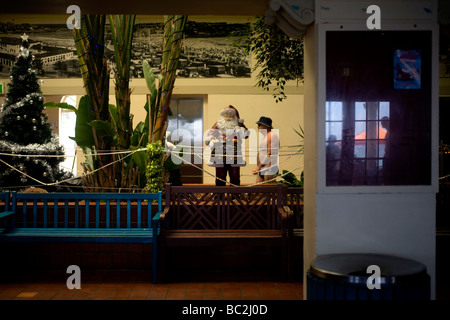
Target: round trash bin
{"points": [[345, 277]]}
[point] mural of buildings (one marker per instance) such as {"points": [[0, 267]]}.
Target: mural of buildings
{"points": [[206, 50]]}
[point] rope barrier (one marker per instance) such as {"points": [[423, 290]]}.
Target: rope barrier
{"points": [[109, 152], [69, 156], [66, 180], [252, 185], [81, 187], [128, 154]]}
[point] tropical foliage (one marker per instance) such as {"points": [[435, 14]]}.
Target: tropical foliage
{"points": [[279, 58], [289, 178], [161, 86], [105, 131], [155, 171], [158, 102]]}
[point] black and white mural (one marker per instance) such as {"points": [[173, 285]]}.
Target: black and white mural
{"points": [[206, 51]]}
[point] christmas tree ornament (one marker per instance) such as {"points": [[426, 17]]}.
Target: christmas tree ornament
{"points": [[18, 118], [34, 128], [6, 133], [45, 174], [25, 53], [35, 161], [24, 116], [33, 120]]}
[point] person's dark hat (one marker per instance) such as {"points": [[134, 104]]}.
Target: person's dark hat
{"points": [[265, 121]]}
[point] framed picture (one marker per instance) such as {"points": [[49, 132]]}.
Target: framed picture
{"points": [[206, 51], [407, 69]]}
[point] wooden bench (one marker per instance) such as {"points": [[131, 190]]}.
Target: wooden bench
{"points": [[83, 217], [217, 216]]}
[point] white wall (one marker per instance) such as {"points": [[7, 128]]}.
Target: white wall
{"points": [[397, 224]]}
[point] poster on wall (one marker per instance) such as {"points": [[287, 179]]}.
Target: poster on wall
{"points": [[407, 69], [206, 49]]}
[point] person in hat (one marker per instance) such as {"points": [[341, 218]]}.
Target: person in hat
{"points": [[267, 162], [224, 139]]}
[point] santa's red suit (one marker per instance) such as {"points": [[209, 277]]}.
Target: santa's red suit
{"points": [[224, 138]]}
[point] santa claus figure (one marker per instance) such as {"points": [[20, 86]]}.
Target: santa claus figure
{"points": [[224, 139]]}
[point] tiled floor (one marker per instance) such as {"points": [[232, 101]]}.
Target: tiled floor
{"points": [[137, 285]]}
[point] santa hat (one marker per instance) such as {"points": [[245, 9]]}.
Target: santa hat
{"points": [[232, 109]]}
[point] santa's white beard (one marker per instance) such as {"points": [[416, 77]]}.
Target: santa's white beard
{"points": [[224, 124]]}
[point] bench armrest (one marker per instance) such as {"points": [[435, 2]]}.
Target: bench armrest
{"points": [[164, 213], [286, 214], [9, 223], [157, 216], [5, 214]]}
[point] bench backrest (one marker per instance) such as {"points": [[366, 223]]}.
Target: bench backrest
{"points": [[227, 208], [84, 210], [4, 201]]}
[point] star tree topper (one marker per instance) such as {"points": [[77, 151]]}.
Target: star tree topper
{"points": [[24, 52]]}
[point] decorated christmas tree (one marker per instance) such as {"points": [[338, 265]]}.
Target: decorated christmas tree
{"points": [[30, 153]]}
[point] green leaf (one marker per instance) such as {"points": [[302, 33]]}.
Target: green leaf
{"points": [[89, 158], [300, 132], [140, 135], [62, 105], [84, 136], [139, 158], [150, 78], [146, 124], [139, 127], [114, 114], [103, 128]]}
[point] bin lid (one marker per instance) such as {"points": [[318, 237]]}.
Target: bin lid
{"points": [[352, 267]]}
